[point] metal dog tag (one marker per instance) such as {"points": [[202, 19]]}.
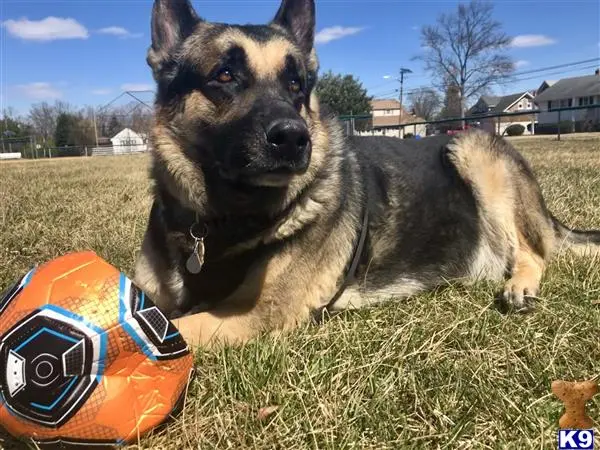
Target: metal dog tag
{"points": [[196, 260]]}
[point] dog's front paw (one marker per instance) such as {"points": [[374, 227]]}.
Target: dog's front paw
{"points": [[517, 297]]}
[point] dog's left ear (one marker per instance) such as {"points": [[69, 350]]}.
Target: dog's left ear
{"points": [[298, 17]]}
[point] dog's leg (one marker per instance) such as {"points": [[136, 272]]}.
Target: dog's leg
{"points": [[157, 281], [209, 329], [525, 279], [356, 297]]}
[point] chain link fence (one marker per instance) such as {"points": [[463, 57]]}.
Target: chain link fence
{"points": [[575, 119]]}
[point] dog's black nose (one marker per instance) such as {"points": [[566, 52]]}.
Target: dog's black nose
{"points": [[288, 136]]}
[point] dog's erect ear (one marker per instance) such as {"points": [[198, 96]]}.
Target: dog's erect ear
{"points": [[172, 22], [298, 16]]}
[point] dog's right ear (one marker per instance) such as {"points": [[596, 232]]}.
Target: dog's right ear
{"points": [[172, 22], [298, 17]]}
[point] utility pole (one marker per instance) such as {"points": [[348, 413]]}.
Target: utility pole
{"points": [[402, 72], [95, 126]]}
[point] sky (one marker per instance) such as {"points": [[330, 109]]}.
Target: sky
{"points": [[87, 52]]}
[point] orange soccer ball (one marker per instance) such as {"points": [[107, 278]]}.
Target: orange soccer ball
{"points": [[86, 357]]}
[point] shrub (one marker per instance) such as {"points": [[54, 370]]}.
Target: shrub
{"points": [[515, 130], [565, 128], [409, 136]]}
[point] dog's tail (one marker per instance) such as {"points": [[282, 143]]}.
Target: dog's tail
{"points": [[581, 242]]}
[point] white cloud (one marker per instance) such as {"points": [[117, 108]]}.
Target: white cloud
{"points": [[532, 40], [101, 91], [119, 32], [333, 33], [39, 91], [137, 87], [414, 28], [521, 63], [48, 29]]}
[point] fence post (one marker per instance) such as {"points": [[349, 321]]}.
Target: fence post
{"points": [[415, 130], [558, 137]]}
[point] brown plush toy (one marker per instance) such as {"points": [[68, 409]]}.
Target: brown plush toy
{"points": [[574, 395]]}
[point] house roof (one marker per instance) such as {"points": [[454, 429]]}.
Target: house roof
{"points": [[571, 88], [548, 83], [394, 121], [490, 100], [385, 103], [508, 100], [125, 131], [498, 103]]}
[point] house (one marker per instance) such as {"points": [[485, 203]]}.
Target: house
{"points": [[513, 103], [545, 85], [128, 141], [568, 92], [386, 120]]}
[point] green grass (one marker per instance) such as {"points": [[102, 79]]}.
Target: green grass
{"points": [[440, 370]]}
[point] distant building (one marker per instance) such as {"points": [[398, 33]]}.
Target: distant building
{"points": [[128, 141], [386, 120], [513, 103], [568, 92]]}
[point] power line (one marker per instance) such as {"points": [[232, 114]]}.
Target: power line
{"points": [[380, 94], [559, 66], [517, 77], [558, 73], [386, 84]]}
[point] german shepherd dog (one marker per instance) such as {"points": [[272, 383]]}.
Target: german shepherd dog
{"points": [[265, 213]]}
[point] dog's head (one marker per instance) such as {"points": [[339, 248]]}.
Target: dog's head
{"points": [[236, 99]]}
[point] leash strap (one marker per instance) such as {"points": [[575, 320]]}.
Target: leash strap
{"points": [[355, 259]]}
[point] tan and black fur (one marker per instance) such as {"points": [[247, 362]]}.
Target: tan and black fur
{"points": [[244, 151]]}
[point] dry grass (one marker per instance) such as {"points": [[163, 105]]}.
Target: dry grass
{"points": [[441, 370]]}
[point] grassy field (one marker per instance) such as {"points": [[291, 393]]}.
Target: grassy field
{"points": [[441, 370]]}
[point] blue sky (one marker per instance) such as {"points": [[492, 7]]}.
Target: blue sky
{"points": [[87, 52]]}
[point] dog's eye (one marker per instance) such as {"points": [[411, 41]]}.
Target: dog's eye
{"points": [[295, 86], [224, 76]]}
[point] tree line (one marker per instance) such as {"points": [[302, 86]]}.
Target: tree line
{"points": [[60, 124]]}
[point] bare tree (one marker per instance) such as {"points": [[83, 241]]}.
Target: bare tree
{"points": [[43, 117], [466, 49], [424, 103], [9, 113]]}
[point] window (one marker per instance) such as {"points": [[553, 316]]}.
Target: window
{"points": [[520, 106], [550, 106], [566, 103], [585, 101]]}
